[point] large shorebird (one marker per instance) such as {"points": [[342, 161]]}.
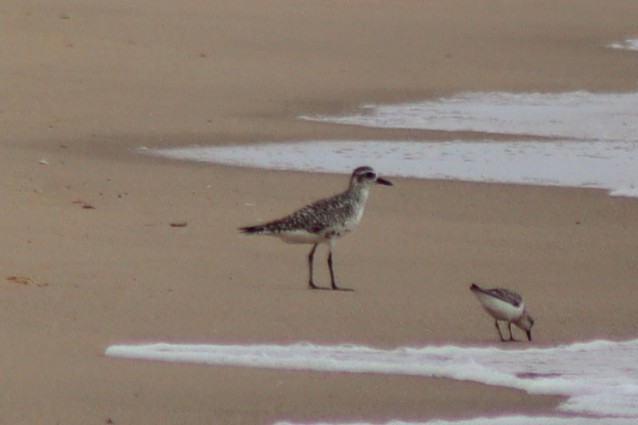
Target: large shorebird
{"points": [[324, 220], [506, 305]]}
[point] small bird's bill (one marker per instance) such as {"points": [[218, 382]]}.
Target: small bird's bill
{"points": [[529, 335], [381, 180]]}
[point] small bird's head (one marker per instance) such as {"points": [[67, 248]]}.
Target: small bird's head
{"points": [[525, 323], [365, 176]]}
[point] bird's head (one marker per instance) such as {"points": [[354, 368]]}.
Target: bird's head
{"points": [[365, 176]]}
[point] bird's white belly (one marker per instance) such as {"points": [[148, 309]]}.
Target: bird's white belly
{"points": [[299, 237], [499, 309], [305, 237]]}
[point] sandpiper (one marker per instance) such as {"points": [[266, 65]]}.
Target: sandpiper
{"points": [[325, 220], [506, 305]]}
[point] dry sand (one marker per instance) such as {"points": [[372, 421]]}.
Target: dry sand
{"points": [[85, 83]]}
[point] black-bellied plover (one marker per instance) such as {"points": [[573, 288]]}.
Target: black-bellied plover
{"points": [[325, 220], [506, 305]]}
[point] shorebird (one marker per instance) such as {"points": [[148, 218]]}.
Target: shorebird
{"points": [[325, 220], [506, 305]]}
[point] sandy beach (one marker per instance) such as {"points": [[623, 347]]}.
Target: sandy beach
{"points": [[91, 256]]}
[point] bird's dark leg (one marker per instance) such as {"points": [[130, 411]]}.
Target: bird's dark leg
{"points": [[310, 259], [499, 330], [332, 274]]}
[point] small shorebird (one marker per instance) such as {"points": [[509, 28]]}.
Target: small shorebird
{"points": [[325, 220], [506, 305]]}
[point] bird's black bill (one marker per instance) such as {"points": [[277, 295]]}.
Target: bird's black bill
{"points": [[383, 181], [529, 335]]}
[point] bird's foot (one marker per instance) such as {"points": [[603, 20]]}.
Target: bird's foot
{"points": [[338, 288], [334, 287], [311, 285]]}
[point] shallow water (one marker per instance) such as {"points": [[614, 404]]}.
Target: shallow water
{"points": [[504, 420], [576, 115], [599, 378], [628, 44], [584, 140], [605, 165]]}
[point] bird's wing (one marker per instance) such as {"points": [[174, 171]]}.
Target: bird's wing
{"points": [[505, 295]]}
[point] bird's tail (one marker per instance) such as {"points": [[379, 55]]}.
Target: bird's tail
{"points": [[254, 230], [475, 287]]}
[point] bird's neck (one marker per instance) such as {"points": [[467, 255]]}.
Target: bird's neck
{"points": [[358, 193]]}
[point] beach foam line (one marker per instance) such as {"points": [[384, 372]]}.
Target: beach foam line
{"points": [[593, 164], [584, 140], [577, 115], [598, 378], [628, 44], [501, 420]]}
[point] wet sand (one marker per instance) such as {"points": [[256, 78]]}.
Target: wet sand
{"points": [[90, 257]]}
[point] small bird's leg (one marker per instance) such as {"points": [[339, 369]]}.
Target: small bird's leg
{"points": [[509, 327], [310, 259], [499, 330]]}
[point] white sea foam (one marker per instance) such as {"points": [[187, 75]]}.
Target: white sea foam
{"points": [[605, 165], [599, 378], [584, 140], [503, 420], [628, 44], [572, 115]]}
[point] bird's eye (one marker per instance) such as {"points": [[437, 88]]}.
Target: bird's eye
{"points": [[370, 175]]}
